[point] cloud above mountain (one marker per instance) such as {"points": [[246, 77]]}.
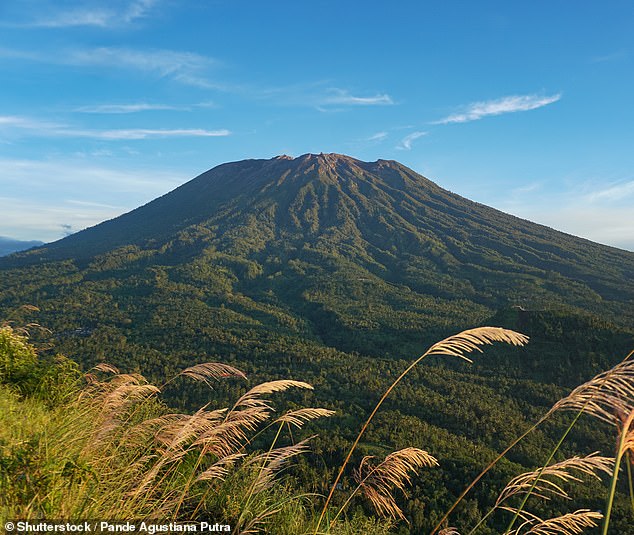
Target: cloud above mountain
{"points": [[488, 108]]}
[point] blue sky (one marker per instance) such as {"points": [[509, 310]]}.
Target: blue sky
{"points": [[524, 106]]}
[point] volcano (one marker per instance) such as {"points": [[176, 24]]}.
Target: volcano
{"points": [[360, 256]]}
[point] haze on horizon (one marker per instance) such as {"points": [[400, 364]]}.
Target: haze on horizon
{"points": [[526, 108]]}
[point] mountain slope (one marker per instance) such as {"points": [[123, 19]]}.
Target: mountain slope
{"points": [[381, 217], [335, 271], [259, 255]]}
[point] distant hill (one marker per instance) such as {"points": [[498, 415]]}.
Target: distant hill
{"points": [[8, 245], [332, 270]]}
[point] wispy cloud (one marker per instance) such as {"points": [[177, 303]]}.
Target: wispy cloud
{"points": [[379, 136], [619, 55], [138, 9], [343, 97], [92, 204], [127, 108], [96, 15], [319, 94], [367, 141], [38, 128], [184, 67], [76, 17], [144, 133], [187, 68], [406, 142], [26, 123], [510, 104], [615, 192]]}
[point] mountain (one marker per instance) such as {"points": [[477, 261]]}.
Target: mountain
{"points": [[364, 256], [382, 218], [336, 271], [9, 245], [361, 256]]}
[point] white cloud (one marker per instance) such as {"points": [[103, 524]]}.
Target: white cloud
{"points": [[78, 17], [116, 14], [185, 67], [138, 9], [126, 108], [379, 136], [616, 192], [510, 104], [26, 123], [144, 133], [318, 95], [343, 97], [199, 81], [93, 204], [34, 127], [406, 142]]}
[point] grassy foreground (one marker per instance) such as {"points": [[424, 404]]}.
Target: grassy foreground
{"points": [[102, 445]]}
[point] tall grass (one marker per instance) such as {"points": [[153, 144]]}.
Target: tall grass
{"points": [[104, 445], [113, 450], [608, 397], [456, 346]]}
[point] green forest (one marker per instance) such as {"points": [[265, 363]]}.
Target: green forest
{"points": [[105, 444], [338, 274]]}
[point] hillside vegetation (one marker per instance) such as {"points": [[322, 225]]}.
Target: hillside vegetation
{"points": [[102, 445], [339, 272]]}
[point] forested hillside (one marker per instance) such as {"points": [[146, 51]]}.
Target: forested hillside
{"points": [[340, 272]]}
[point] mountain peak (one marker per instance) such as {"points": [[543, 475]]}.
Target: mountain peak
{"points": [[329, 158], [312, 156], [378, 213], [335, 166]]}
